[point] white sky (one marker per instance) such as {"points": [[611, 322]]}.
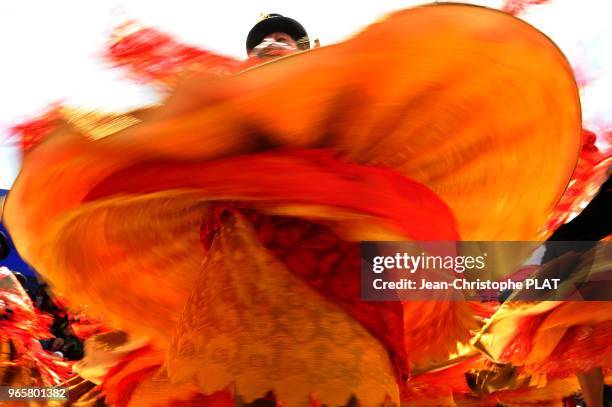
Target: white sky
{"points": [[50, 49]]}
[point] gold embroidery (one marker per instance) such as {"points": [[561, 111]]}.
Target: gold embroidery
{"points": [[97, 125]]}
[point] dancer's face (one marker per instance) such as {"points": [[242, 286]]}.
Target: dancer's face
{"points": [[274, 45]]}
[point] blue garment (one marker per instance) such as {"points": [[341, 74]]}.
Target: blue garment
{"points": [[14, 262]]}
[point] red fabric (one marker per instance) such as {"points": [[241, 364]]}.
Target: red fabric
{"points": [[440, 383], [85, 329], [522, 343], [126, 360], [299, 177], [583, 347], [218, 399], [123, 391], [120, 393]]}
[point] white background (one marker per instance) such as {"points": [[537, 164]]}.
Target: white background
{"points": [[50, 49]]}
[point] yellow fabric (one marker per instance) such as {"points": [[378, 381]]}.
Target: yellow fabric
{"points": [[252, 322]]}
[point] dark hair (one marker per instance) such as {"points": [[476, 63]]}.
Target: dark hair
{"points": [[5, 246], [21, 278]]}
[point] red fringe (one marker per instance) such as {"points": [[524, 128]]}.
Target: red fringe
{"points": [[516, 7], [591, 171], [150, 55], [33, 131]]}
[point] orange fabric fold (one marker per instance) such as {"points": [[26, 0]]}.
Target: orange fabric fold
{"points": [[308, 177]]}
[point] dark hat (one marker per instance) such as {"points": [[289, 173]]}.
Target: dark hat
{"points": [[273, 23], [5, 247]]}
